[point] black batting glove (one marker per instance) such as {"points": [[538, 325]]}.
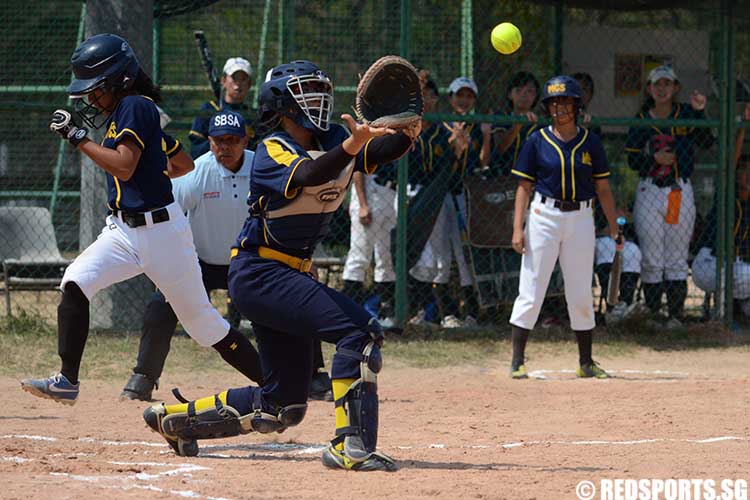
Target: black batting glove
{"points": [[62, 122]]}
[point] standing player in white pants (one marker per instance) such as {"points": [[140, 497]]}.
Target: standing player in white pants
{"points": [[146, 231], [567, 168], [372, 211], [664, 204]]}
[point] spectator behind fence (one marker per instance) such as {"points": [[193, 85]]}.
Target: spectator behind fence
{"points": [[434, 156], [604, 255], [235, 83], [521, 97], [664, 158], [704, 264], [372, 211], [471, 145], [587, 88]]}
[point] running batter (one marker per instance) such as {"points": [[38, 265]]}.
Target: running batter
{"points": [[566, 167], [299, 177], [146, 231]]}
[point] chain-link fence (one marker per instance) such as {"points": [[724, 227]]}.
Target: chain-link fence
{"points": [[427, 240]]}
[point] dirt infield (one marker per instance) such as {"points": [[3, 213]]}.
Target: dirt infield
{"points": [[461, 432]]}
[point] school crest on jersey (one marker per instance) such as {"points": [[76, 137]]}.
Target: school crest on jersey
{"points": [[586, 158], [112, 131]]}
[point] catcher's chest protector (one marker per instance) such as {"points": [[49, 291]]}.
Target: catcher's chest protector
{"points": [[322, 199]]}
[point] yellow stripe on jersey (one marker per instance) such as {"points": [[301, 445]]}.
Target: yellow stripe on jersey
{"points": [[176, 145], [573, 160], [132, 132], [562, 159], [195, 132], [601, 176], [278, 154], [216, 106], [119, 192], [287, 195], [364, 160], [517, 172], [633, 150]]}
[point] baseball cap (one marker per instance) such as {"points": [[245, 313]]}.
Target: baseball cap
{"points": [[463, 82], [226, 123], [235, 64], [660, 72]]}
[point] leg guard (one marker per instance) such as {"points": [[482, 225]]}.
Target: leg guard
{"points": [[360, 403], [203, 420]]}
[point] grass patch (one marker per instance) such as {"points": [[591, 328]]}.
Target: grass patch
{"points": [[28, 347]]}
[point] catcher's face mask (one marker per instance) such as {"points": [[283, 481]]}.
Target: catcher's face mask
{"points": [[314, 95]]}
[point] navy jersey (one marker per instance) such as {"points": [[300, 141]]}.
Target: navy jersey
{"points": [[468, 164], [276, 159], [199, 131], [149, 187], [502, 163], [431, 153], [741, 229], [682, 141], [563, 170]]}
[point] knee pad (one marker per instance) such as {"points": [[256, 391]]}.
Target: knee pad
{"points": [[360, 435], [223, 421]]}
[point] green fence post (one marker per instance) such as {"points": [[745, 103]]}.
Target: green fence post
{"points": [[156, 49], [403, 179], [728, 118], [722, 308], [559, 23]]}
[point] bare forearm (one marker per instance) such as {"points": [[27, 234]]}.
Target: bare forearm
{"points": [[179, 165], [120, 162], [508, 137], [604, 193], [523, 194], [359, 187], [738, 145]]}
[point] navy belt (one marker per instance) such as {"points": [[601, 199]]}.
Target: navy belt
{"points": [[138, 219], [566, 205]]}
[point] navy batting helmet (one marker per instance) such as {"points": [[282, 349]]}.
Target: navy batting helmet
{"points": [[299, 90], [103, 60], [561, 86]]}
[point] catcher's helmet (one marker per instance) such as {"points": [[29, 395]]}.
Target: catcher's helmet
{"points": [[299, 90], [103, 60]]}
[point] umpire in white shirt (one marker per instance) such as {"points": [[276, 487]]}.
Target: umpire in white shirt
{"points": [[214, 197]]}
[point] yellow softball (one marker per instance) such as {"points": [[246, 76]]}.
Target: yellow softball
{"points": [[506, 38]]}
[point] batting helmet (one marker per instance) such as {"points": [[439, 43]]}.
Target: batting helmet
{"points": [[299, 90], [103, 60], [561, 86]]}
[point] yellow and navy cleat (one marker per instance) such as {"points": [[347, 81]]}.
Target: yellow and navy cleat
{"points": [[591, 371], [519, 373], [154, 415], [376, 461]]}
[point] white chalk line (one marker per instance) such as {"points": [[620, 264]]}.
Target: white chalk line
{"points": [[305, 449], [135, 480], [543, 374], [125, 487]]}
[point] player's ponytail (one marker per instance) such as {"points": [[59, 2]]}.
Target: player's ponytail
{"points": [[145, 86]]}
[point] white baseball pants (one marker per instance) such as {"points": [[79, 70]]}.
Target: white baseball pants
{"points": [[434, 264], [166, 254], [551, 234], [373, 239], [704, 274], [664, 246], [605, 254]]}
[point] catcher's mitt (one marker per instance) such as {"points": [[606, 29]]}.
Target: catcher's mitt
{"points": [[389, 94]]}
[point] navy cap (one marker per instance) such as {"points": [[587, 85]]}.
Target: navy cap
{"points": [[226, 123]]}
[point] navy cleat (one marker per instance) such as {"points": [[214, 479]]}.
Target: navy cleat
{"points": [[57, 388]]}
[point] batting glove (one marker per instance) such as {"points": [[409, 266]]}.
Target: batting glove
{"points": [[62, 123]]}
